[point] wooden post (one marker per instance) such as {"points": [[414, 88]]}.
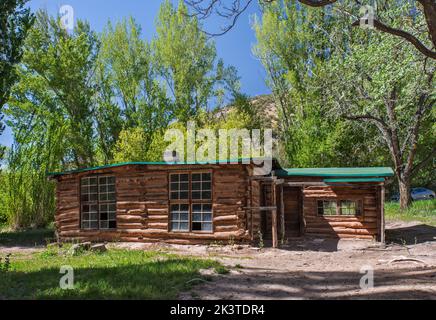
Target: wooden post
{"points": [[282, 214], [382, 214], [274, 217]]}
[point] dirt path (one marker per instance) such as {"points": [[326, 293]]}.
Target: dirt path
{"points": [[327, 269]]}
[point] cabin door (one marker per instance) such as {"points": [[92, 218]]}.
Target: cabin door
{"points": [[292, 207]]}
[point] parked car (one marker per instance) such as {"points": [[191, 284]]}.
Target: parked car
{"points": [[417, 194]]}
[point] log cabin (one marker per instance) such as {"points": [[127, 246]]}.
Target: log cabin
{"points": [[195, 203]]}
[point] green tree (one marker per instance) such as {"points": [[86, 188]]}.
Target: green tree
{"points": [[378, 13], [129, 83], [57, 77], [293, 48], [186, 61], [15, 21], [382, 85]]}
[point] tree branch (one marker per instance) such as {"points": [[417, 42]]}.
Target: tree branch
{"points": [[402, 34], [419, 166]]}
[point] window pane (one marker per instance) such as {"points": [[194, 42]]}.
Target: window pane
{"points": [[174, 177], [207, 226], [179, 217], [196, 195], [183, 195], [196, 177], [327, 207], [348, 207], [196, 217], [196, 186], [202, 217], [196, 226], [184, 177], [207, 216]]}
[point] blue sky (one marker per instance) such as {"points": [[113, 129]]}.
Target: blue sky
{"points": [[234, 47]]}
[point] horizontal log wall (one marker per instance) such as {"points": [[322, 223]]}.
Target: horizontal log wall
{"points": [[143, 205], [364, 226]]}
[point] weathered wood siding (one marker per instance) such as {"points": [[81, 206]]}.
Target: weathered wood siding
{"points": [[363, 226], [143, 205]]}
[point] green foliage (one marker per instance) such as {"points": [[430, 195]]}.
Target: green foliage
{"points": [[293, 47], [186, 60], [15, 21], [84, 99], [423, 211], [116, 274]]}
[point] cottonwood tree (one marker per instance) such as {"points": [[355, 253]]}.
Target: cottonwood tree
{"points": [[15, 21], [293, 49], [129, 95], [56, 83], [384, 84], [426, 9], [187, 62]]}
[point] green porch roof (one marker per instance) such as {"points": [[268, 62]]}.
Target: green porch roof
{"points": [[340, 180], [336, 172]]}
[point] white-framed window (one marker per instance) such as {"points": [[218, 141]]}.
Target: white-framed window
{"points": [[201, 186], [202, 217], [179, 186], [180, 217], [98, 202], [190, 195]]}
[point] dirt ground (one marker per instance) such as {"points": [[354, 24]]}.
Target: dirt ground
{"points": [[314, 268]]}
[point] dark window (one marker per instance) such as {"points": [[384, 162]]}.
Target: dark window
{"points": [[202, 217], [179, 186], [190, 195], [350, 208], [327, 207], [201, 186], [98, 201], [339, 207]]}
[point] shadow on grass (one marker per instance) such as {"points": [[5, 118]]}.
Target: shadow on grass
{"points": [[146, 280], [412, 234], [26, 238]]}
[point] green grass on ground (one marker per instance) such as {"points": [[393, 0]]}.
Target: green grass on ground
{"points": [[115, 274], [423, 211], [34, 237]]}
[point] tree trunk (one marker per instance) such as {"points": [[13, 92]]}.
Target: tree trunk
{"points": [[405, 199]]}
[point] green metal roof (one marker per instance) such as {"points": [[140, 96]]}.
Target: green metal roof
{"points": [[337, 172], [231, 161], [354, 180], [316, 172]]}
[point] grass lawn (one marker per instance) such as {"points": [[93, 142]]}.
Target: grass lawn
{"points": [[115, 274], [35, 237], [424, 211]]}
